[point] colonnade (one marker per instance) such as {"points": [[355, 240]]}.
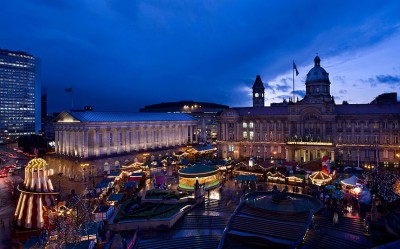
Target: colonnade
{"points": [[90, 141]]}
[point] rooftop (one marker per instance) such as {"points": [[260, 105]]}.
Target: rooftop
{"points": [[90, 116]]}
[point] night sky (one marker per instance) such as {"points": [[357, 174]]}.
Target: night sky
{"points": [[123, 55]]}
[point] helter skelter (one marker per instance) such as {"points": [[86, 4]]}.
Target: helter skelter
{"points": [[36, 192]]}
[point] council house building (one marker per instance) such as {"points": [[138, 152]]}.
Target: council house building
{"points": [[313, 127]]}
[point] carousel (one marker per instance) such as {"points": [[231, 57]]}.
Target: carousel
{"points": [[37, 192], [205, 174], [320, 178]]}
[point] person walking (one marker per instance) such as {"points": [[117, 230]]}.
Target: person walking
{"points": [[335, 218]]}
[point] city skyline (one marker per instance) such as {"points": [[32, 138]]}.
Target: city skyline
{"points": [[120, 57]]}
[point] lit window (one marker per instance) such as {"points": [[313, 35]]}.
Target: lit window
{"points": [[244, 125]]}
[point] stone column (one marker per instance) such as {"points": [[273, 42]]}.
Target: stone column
{"points": [[96, 142], [128, 139], [85, 143], [64, 147], [137, 138], [191, 134], [119, 142], [108, 141], [160, 137], [332, 155], [167, 134], [288, 157], [57, 138], [153, 137]]}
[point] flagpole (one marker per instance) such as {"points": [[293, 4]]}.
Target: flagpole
{"points": [[293, 80]]}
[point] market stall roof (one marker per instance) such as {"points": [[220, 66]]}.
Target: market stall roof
{"points": [[350, 181], [204, 148], [252, 178], [130, 184], [115, 197], [102, 209], [102, 185], [114, 174], [297, 176]]}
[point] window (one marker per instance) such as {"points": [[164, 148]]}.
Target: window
{"points": [[245, 135], [244, 125], [366, 139], [385, 139], [366, 124], [385, 154], [231, 148], [385, 124], [251, 125], [251, 135], [396, 140]]}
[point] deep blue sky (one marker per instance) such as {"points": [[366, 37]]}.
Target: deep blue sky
{"points": [[122, 55]]}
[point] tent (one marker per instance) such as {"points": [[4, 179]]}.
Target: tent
{"points": [[351, 181]]}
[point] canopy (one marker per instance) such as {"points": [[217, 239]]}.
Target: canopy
{"points": [[251, 178], [330, 187], [338, 194], [115, 197], [350, 181], [319, 178]]}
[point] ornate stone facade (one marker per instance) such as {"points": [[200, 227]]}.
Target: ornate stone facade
{"points": [[353, 134]]}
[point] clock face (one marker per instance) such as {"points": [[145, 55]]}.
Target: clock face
{"points": [[256, 95]]}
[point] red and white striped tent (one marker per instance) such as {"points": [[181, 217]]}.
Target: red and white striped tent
{"points": [[36, 191]]}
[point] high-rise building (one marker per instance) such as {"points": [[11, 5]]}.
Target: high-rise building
{"points": [[19, 95]]}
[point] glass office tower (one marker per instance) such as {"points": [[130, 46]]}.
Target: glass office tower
{"points": [[19, 95]]}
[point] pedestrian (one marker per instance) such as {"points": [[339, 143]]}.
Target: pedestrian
{"points": [[335, 218]]}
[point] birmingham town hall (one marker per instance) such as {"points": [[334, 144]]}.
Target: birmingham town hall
{"points": [[313, 127]]}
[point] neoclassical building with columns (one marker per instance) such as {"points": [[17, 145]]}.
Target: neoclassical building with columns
{"points": [[87, 134], [315, 126]]}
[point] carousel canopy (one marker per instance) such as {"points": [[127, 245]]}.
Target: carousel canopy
{"points": [[319, 175], [36, 164], [198, 168], [350, 181]]}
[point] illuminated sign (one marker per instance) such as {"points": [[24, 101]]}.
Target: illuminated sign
{"points": [[311, 143]]}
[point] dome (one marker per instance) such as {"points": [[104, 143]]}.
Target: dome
{"points": [[317, 74]]}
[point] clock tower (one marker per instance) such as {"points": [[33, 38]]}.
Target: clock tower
{"points": [[258, 92]]}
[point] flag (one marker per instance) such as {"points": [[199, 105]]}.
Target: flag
{"points": [[295, 68], [68, 90]]}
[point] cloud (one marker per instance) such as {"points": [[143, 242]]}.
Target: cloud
{"points": [[143, 52], [389, 80], [343, 92], [300, 93]]}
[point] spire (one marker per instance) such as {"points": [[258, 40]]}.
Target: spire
{"points": [[258, 83], [317, 61]]}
